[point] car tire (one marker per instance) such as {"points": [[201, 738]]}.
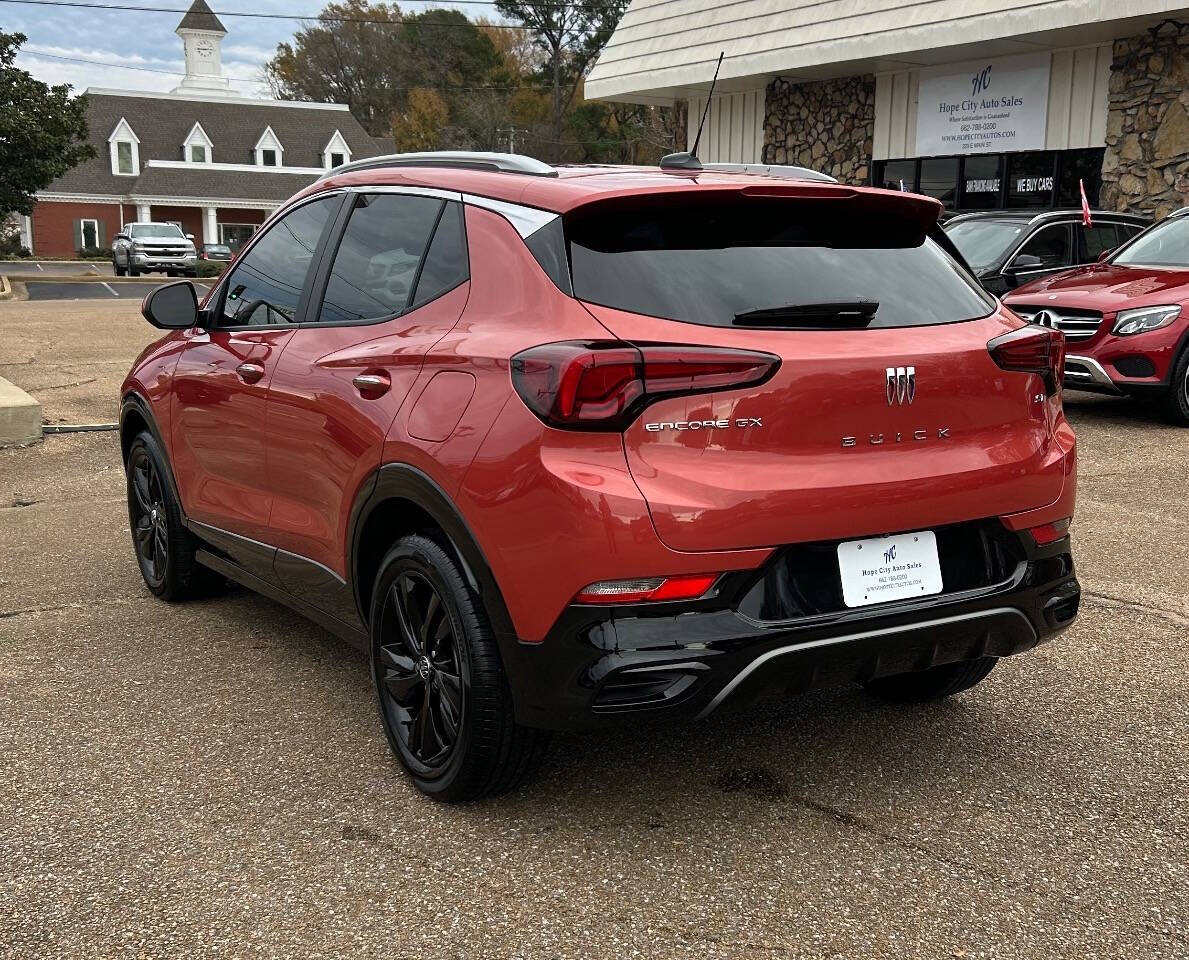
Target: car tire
{"points": [[440, 686], [1176, 401], [192, 274], [164, 547], [133, 271], [116, 268], [936, 683]]}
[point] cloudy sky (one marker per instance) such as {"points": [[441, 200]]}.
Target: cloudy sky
{"points": [[61, 36]]}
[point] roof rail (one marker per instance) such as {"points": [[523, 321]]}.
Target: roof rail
{"points": [[467, 159], [771, 170]]}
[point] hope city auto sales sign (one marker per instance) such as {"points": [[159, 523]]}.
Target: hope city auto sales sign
{"points": [[984, 106]]}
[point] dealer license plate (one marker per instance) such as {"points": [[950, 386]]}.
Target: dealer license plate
{"points": [[889, 568]]}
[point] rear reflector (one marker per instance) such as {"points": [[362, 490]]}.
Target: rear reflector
{"points": [[603, 385], [648, 589], [1032, 349], [1048, 533]]}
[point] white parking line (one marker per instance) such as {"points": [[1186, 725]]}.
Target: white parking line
{"points": [[110, 288]]}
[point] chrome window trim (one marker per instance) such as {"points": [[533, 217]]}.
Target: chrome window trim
{"points": [[410, 191], [526, 220]]}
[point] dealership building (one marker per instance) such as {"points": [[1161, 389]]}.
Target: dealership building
{"points": [[984, 104]]}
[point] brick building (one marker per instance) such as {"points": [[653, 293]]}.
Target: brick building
{"points": [[215, 163]]}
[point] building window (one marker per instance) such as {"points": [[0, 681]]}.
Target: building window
{"points": [[125, 150], [124, 163], [1030, 180], [982, 181], [234, 235], [268, 158], [898, 175], [198, 153], [89, 234], [337, 160], [939, 179]]}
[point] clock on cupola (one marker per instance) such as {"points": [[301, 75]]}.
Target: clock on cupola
{"points": [[202, 35]]}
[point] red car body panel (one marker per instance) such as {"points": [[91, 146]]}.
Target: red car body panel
{"points": [[704, 487], [1109, 289]]}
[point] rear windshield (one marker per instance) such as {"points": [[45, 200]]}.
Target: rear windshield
{"points": [[713, 261]]}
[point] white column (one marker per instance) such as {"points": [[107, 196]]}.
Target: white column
{"points": [[210, 225], [26, 229], [144, 213]]}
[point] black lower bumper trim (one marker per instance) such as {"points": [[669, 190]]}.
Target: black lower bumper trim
{"points": [[685, 661]]}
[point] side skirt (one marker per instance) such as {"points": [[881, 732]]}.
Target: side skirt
{"points": [[233, 571]]}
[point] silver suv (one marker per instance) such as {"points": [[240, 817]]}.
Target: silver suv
{"points": [[145, 247]]}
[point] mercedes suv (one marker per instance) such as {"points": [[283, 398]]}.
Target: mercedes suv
{"points": [[1126, 318], [559, 447]]}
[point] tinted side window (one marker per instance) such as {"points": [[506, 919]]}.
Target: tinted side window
{"points": [[265, 286], [1051, 245], [1093, 240], [446, 263], [376, 263]]}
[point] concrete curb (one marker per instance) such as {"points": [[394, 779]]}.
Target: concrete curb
{"points": [[5, 288], [20, 416]]}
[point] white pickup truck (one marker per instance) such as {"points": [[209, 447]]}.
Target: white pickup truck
{"points": [[147, 247]]}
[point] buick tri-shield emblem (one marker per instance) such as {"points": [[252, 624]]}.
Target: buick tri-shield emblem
{"points": [[901, 385]]}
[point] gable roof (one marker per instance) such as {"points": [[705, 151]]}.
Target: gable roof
{"points": [[234, 126], [201, 17], [666, 49]]}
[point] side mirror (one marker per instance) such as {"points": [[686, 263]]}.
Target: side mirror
{"points": [[1105, 253], [122, 236], [173, 306], [1021, 264], [190, 237]]}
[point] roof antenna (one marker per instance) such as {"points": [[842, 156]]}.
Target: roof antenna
{"points": [[690, 161]]}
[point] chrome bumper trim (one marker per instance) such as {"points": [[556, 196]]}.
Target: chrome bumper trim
{"points": [[1086, 371], [865, 635]]}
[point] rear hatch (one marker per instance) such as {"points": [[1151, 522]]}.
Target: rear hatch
{"points": [[887, 413]]}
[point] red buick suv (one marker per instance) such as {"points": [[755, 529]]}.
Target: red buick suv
{"points": [[563, 446], [1125, 319]]}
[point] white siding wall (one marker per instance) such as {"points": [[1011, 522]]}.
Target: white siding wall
{"points": [[1076, 115], [734, 129]]}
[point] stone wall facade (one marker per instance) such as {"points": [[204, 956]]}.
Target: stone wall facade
{"points": [[1146, 165], [826, 125]]}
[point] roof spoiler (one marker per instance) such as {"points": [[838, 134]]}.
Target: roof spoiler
{"points": [[464, 159]]}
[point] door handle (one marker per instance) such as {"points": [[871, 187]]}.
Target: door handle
{"points": [[372, 385], [250, 372]]}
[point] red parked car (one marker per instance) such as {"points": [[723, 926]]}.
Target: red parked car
{"points": [[1125, 319], [560, 446]]}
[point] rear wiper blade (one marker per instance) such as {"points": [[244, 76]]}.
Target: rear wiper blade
{"points": [[833, 313]]}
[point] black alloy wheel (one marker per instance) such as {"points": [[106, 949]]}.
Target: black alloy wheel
{"points": [[444, 698], [150, 520], [1177, 402], [165, 549], [423, 672]]}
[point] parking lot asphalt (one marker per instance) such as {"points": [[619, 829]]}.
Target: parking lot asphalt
{"points": [[211, 780], [21, 268], [93, 290]]}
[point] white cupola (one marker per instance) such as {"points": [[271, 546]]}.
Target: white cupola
{"points": [[202, 35]]}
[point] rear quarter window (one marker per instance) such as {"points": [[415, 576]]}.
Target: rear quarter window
{"points": [[708, 260]]}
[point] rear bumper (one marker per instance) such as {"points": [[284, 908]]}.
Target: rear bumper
{"points": [[668, 661]]}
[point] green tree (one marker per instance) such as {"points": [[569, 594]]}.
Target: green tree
{"points": [[335, 60], [43, 131], [373, 67], [570, 35]]}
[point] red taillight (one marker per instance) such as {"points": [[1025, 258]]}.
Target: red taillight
{"points": [[647, 589], [1032, 349], [604, 385], [1048, 533]]}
